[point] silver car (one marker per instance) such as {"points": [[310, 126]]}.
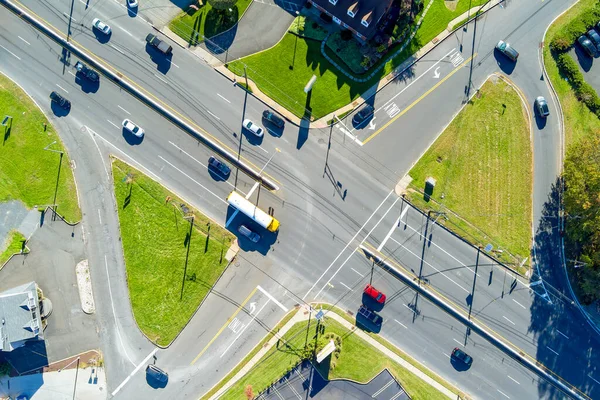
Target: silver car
{"points": [[132, 3], [101, 26], [133, 128], [254, 128]]}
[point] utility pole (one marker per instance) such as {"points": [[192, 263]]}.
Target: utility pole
{"points": [[328, 148]]}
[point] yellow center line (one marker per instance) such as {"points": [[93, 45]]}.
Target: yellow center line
{"points": [[418, 100], [225, 325]]}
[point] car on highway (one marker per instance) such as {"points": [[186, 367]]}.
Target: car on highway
{"points": [[541, 105], [249, 234], [594, 37], [255, 129], [458, 354], [132, 3], [374, 294], [370, 315], [587, 45], [156, 373], [219, 166], [361, 116], [60, 100], [273, 118], [507, 50], [101, 26], [87, 72], [132, 128]]}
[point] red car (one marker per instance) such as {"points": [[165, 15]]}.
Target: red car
{"points": [[374, 294]]}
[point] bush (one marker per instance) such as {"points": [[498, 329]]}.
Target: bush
{"points": [[4, 369], [583, 91], [566, 37], [346, 34], [222, 4]]}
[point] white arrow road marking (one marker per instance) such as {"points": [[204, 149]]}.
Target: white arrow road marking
{"points": [[371, 124], [252, 307], [436, 73]]}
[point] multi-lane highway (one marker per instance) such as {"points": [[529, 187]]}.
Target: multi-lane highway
{"points": [[325, 212]]}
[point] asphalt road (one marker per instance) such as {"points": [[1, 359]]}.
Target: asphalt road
{"points": [[324, 215]]}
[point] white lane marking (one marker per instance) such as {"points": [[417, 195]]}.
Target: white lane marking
{"points": [[144, 361], [16, 56], [24, 40], [161, 79], [67, 15], [173, 64], [289, 384], [400, 393], [403, 213], [562, 334], [192, 179], [589, 376], [348, 244], [99, 216], [513, 379], [503, 394], [124, 109], [377, 393], [429, 264], [112, 304], [244, 330], [519, 304], [554, 351], [127, 32], [208, 111], [350, 135], [92, 134], [413, 311], [83, 2], [457, 341], [252, 190], [360, 244], [508, 320], [113, 124], [346, 286], [389, 234], [273, 299], [223, 98], [62, 88], [116, 48], [357, 272], [447, 355], [71, 73], [401, 324], [263, 149]]}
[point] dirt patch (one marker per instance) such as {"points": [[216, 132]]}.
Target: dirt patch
{"points": [[92, 357], [451, 4]]}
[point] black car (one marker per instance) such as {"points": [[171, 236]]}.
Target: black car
{"points": [[594, 37], [587, 45], [61, 101], [458, 354], [541, 106], [219, 166], [87, 72], [370, 315], [157, 374], [365, 113], [273, 118]]}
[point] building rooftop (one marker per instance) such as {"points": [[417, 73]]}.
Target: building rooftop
{"points": [[19, 316], [360, 15]]}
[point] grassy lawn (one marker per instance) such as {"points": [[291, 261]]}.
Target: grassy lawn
{"points": [[357, 361], [27, 171], [13, 245], [193, 26], [483, 166], [270, 69], [155, 244]]}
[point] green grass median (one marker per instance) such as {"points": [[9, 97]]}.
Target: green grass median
{"points": [[14, 244], [170, 266], [482, 164], [28, 172]]}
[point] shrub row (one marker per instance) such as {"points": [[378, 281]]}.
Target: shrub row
{"points": [[584, 92], [564, 39]]}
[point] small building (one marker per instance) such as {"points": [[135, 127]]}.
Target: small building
{"points": [[20, 319], [361, 17]]}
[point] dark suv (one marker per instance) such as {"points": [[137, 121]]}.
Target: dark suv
{"points": [[371, 316], [365, 113], [61, 101], [587, 45], [273, 118]]}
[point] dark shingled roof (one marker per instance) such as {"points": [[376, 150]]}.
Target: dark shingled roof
{"points": [[368, 10]]}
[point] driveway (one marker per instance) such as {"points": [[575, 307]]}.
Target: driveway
{"points": [[262, 26], [56, 248]]}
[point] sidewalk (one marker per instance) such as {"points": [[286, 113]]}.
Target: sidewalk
{"points": [[302, 315]]}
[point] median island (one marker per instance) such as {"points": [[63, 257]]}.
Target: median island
{"points": [[171, 264]]}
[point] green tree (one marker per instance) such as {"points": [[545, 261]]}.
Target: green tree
{"points": [[222, 4]]}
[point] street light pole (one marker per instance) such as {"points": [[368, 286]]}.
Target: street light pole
{"points": [[296, 43], [328, 147]]}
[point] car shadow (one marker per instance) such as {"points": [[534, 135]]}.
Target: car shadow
{"points": [[252, 138], [459, 365], [86, 85], [131, 139], [58, 110], [371, 303], [267, 238], [217, 175], [540, 122], [273, 129], [163, 62], [584, 60], [101, 37], [132, 11], [366, 325], [506, 65]]}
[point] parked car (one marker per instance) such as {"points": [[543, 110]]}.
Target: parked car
{"points": [[249, 234], [219, 166], [133, 128], [374, 294], [507, 50], [252, 127], [587, 45], [132, 3], [458, 354], [60, 100], [541, 105], [158, 44], [362, 115], [156, 373], [371, 316], [87, 72], [594, 37], [101, 26], [273, 118]]}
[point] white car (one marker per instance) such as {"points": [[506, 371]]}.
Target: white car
{"points": [[132, 3], [101, 26], [133, 128], [252, 127]]}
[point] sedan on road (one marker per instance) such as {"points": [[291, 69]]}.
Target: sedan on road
{"points": [[365, 113], [273, 118], [458, 354], [587, 45], [507, 50], [133, 128], [541, 105], [256, 130], [101, 26], [219, 166], [60, 100], [374, 294], [157, 374], [132, 3]]}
